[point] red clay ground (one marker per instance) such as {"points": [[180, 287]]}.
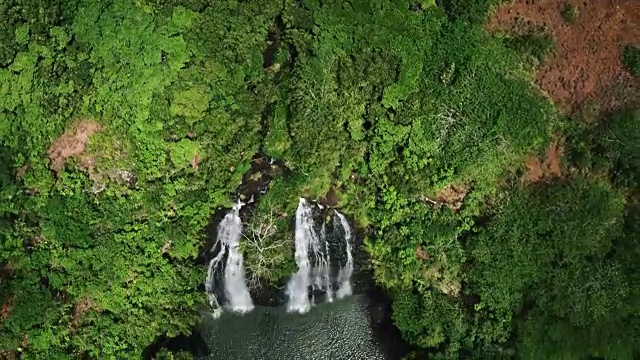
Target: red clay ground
{"points": [[71, 143], [539, 169], [585, 67], [451, 196]]}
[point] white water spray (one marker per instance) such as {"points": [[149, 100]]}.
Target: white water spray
{"points": [[235, 287], [313, 258], [298, 285], [209, 282], [321, 266], [325, 272], [344, 274]]}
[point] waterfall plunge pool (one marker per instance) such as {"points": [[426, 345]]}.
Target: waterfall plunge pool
{"points": [[338, 330], [336, 325]]}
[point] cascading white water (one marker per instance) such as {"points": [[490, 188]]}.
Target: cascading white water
{"points": [[297, 288], [326, 266], [235, 287], [344, 274], [321, 266], [313, 258], [209, 281]]}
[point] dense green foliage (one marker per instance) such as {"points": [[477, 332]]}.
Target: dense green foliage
{"points": [[631, 59], [533, 46], [549, 257], [569, 13], [419, 118], [105, 272]]}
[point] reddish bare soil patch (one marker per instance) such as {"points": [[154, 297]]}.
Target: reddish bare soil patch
{"points": [[549, 167], [7, 306], [78, 311], [72, 143], [585, 67], [21, 171], [452, 196], [422, 254]]}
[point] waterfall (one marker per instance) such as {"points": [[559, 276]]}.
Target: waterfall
{"points": [[209, 281], [344, 274], [322, 261], [313, 257], [297, 288], [235, 287], [326, 265]]}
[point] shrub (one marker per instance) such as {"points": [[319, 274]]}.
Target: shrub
{"points": [[569, 13], [631, 59], [534, 46]]}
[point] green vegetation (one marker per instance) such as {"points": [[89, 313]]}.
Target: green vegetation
{"points": [[124, 125], [631, 59], [569, 13], [534, 46], [549, 253], [267, 242]]}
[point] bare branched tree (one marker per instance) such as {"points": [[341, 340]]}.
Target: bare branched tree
{"points": [[448, 119], [264, 249]]}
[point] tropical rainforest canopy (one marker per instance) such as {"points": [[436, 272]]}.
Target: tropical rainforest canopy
{"points": [[125, 125]]}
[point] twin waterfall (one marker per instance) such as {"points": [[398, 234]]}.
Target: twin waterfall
{"points": [[316, 271]]}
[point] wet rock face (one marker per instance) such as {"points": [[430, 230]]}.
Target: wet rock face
{"points": [[380, 316], [256, 181], [331, 199], [205, 253], [269, 295], [379, 305], [379, 313]]}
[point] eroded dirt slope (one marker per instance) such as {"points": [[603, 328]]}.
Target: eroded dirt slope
{"points": [[71, 143], [585, 68]]}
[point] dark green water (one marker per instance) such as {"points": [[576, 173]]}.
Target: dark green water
{"points": [[330, 331]]}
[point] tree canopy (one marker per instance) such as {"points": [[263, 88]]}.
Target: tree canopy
{"points": [[125, 125]]}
